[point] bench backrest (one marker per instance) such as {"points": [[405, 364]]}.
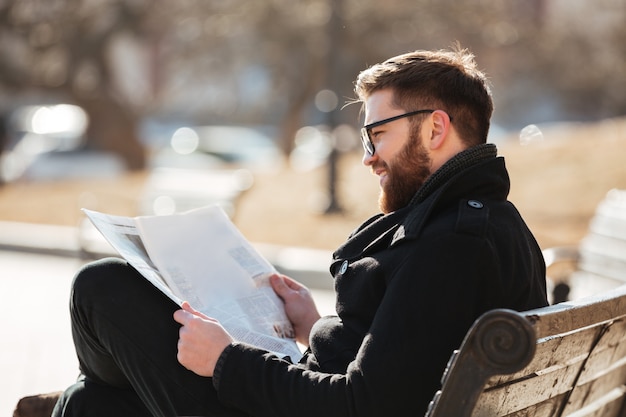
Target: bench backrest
{"points": [[567, 359], [602, 252]]}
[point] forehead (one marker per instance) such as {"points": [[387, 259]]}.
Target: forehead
{"points": [[379, 105]]}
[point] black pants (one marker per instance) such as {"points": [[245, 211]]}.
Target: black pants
{"points": [[125, 338]]}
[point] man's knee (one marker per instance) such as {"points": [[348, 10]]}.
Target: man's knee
{"points": [[96, 277]]}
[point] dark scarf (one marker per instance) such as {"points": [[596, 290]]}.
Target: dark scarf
{"points": [[453, 166]]}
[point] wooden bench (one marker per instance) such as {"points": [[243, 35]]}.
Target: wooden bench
{"points": [[567, 359], [598, 263]]}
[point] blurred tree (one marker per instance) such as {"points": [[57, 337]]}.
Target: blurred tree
{"points": [[263, 62], [4, 139], [64, 47], [583, 55]]}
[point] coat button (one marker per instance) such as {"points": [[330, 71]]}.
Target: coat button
{"points": [[475, 204], [344, 268]]}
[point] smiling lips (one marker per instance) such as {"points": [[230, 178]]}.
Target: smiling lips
{"points": [[382, 174]]}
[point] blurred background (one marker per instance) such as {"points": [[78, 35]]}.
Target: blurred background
{"points": [[138, 107], [149, 107]]}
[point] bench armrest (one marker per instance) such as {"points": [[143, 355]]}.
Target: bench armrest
{"points": [[500, 342]]}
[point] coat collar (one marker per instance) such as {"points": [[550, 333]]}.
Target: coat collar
{"points": [[445, 184], [462, 176]]}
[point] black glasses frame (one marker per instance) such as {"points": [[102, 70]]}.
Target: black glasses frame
{"points": [[366, 131]]}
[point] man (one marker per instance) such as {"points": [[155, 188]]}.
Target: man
{"points": [[410, 281]]}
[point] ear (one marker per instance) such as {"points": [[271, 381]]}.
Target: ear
{"points": [[439, 129]]}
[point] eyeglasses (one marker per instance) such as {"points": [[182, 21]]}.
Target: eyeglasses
{"points": [[366, 131]]}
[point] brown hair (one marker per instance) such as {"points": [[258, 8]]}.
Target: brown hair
{"points": [[446, 80]]}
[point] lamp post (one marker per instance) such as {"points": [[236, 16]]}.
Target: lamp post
{"points": [[334, 39]]}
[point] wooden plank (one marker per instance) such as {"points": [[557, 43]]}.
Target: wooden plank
{"points": [[610, 405], [553, 372], [597, 390], [604, 307], [511, 398], [609, 353], [603, 253], [555, 368], [609, 221], [546, 408], [601, 263], [604, 246], [558, 358]]}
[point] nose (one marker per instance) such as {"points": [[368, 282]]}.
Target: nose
{"points": [[368, 159]]}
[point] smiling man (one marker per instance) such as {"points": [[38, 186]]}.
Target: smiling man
{"points": [[446, 247]]}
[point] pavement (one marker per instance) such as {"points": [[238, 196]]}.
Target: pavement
{"points": [[37, 265]]}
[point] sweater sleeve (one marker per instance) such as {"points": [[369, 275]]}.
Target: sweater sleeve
{"points": [[426, 310], [261, 384]]}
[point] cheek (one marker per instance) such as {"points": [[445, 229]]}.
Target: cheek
{"points": [[389, 150]]}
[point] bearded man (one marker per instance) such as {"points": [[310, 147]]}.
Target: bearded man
{"points": [[410, 281]]}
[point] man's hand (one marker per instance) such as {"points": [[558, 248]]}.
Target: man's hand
{"points": [[201, 340], [299, 305]]}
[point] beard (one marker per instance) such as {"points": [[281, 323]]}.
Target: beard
{"points": [[406, 173]]}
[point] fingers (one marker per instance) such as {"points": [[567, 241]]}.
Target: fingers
{"points": [[187, 313], [292, 283], [183, 317]]}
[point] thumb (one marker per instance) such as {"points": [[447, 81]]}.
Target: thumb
{"points": [[279, 285]]}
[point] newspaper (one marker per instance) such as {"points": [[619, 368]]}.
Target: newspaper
{"points": [[200, 256]]}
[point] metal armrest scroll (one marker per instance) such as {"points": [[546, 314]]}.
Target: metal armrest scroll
{"points": [[500, 342]]}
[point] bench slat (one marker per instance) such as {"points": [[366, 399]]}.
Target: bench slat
{"points": [[553, 371], [609, 405], [599, 260], [595, 391], [608, 354], [571, 315], [607, 223], [524, 394]]}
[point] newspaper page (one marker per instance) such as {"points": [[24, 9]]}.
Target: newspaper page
{"points": [[123, 235], [201, 257]]}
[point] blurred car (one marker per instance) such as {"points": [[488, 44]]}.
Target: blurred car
{"points": [[72, 164], [204, 165], [240, 146], [218, 147], [41, 128], [47, 142], [175, 190]]}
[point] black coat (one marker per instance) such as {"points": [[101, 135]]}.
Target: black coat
{"points": [[409, 285]]}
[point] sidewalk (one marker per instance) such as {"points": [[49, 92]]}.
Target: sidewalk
{"points": [[36, 345], [309, 266], [37, 265]]}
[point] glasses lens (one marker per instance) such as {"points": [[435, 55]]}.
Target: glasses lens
{"points": [[365, 140]]}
